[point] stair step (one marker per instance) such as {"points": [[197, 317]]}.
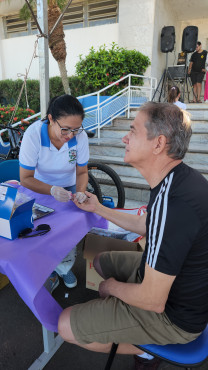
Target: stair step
{"points": [[109, 133], [125, 169], [195, 106], [117, 143]]}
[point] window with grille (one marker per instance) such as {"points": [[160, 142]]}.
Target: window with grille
{"points": [[74, 16], [102, 11], [13, 24], [83, 13]]}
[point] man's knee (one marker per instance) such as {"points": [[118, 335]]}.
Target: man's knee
{"points": [[64, 326], [96, 264]]}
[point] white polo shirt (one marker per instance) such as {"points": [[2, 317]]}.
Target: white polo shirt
{"points": [[52, 166], [180, 105]]}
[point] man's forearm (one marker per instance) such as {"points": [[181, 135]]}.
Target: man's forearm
{"points": [[132, 294], [134, 223]]}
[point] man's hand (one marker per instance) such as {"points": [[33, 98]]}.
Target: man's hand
{"points": [[204, 70], [104, 287], [90, 204]]}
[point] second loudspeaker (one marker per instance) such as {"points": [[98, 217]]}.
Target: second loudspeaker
{"points": [[189, 40]]}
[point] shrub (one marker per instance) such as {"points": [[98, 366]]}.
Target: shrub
{"points": [[21, 115], [10, 90], [100, 68]]}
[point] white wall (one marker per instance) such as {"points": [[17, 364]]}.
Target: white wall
{"points": [[16, 53], [202, 25], [1, 50], [136, 25], [164, 16]]}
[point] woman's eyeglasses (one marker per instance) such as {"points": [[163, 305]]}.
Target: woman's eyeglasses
{"points": [[68, 131]]}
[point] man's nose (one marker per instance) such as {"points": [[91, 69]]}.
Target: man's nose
{"points": [[125, 139]]}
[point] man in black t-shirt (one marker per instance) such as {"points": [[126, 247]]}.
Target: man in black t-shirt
{"points": [[159, 296], [197, 70]]}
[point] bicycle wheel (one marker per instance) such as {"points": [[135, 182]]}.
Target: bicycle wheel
{"points": [[109, 181], [94, 188]]}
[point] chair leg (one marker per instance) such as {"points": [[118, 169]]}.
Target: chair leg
{"points": [[111, 356]]}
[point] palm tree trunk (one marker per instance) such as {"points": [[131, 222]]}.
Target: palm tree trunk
{"points": [[57, 43], [64, 78]]}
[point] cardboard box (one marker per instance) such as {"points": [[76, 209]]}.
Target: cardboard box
{"points": [[94, 244], [13, 221], [3, 281]]}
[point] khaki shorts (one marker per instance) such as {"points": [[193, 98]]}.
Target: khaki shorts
{"points": [[111, 320]]}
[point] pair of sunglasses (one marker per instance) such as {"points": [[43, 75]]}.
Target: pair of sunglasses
{"points": [[40, 230]]}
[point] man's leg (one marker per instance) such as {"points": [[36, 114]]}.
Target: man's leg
{"points": [[199, 87], [195, 97], [65, 331], [96, 264]]}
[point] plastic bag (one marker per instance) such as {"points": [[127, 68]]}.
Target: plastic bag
{"points": [[118, 232]]}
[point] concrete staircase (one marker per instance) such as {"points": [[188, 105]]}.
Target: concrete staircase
{"points": [[109, 149]]}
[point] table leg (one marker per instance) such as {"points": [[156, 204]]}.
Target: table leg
{"points": [[51, 345]]}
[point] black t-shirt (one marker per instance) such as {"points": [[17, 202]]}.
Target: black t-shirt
{"points": [[177, 244], [198, 60]]}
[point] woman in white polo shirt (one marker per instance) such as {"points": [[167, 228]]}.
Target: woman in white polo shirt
{"points": [[53, 160]]}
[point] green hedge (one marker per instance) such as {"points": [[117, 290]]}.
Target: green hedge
{"points": [[93, 72], [10, 89]]}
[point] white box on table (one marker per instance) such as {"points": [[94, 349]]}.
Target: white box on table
{"points": [[12, 222]]}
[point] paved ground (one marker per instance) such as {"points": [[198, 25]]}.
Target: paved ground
{"points": [[21, 334]]}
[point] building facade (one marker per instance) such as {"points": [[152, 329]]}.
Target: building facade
{"points": [[133, 24]]}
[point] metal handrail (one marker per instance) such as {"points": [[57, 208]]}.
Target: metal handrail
{"points": [[97, 109]]}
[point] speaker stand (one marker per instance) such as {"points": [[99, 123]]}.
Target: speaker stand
{"points": [[187, 84], [162, 86]]}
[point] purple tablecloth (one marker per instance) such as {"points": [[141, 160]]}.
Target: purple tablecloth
{"points": [[29, 262]]}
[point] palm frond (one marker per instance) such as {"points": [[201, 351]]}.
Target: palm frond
{"points": [[25, 13]]}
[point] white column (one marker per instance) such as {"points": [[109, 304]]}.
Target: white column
{"points": [[1, 50], [42, 16]]}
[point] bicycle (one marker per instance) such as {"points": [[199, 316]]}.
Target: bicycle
{"points": [[109, 181], [15, 136]]}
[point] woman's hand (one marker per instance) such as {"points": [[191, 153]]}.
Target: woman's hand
{"points": [[90, 204], [61, 194], [80, 197]]}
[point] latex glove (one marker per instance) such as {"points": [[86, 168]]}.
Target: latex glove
{"points": [[61, 194], [81, 197]]}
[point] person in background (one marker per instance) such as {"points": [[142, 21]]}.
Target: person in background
{"points": [[206, 83], [197, 70], [174, 96], [53, 160]]}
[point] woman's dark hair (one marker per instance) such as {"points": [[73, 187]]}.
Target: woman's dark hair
{"points": [[198, 43], [64, 105], [173, 93]]}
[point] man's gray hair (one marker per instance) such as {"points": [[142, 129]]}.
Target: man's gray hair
{"points": [[172, 122]]}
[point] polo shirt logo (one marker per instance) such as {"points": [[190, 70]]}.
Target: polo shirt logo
{"points": [[72, 155]]}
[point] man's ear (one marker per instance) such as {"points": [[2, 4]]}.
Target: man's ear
{"points": [[160, 144]]}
